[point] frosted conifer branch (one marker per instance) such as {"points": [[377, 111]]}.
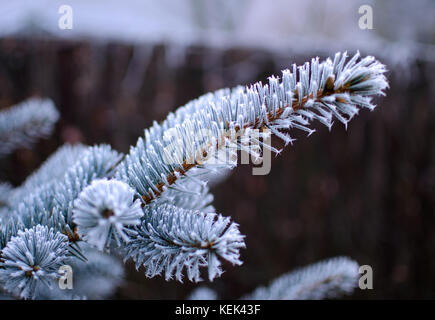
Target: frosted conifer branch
{"points": [[56, 165], [208, 129], [51, 203], [99, 162], [166, 173], [32, 258], [99, 276], [171, 239], [5, 191], [25, 122], [194, 194], [104, 210], [324, 279], [8, 229], [52, 169], [95, 278]]}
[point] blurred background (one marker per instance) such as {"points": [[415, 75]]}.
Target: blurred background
{"points": [[368, 193]]}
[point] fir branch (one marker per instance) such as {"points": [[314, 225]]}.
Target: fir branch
{"points": [[99, 162], [25, 122], [209, 128], [171, 239], [98, 276], [8, 229], [51, 203], [161, 182], [5, 192], [194, 194], [324, 279], [95, 278], [52, 169], [32, 258]]}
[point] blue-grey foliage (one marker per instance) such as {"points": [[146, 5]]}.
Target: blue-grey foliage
{"points": [[5, 191], [98, 162], [194, 194], [99, 276], [9, 227], [25, 122], [154, 204], [203, 133], [50, 201], [330, 278], [32, 258], [5, 194], [52, 169], [172, 239], [95, 278], [325, 279]]}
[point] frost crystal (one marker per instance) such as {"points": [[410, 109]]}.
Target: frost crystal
{"points": [[103, 211]]}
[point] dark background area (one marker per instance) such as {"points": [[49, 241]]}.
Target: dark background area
{"points": [[367, 193]]}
